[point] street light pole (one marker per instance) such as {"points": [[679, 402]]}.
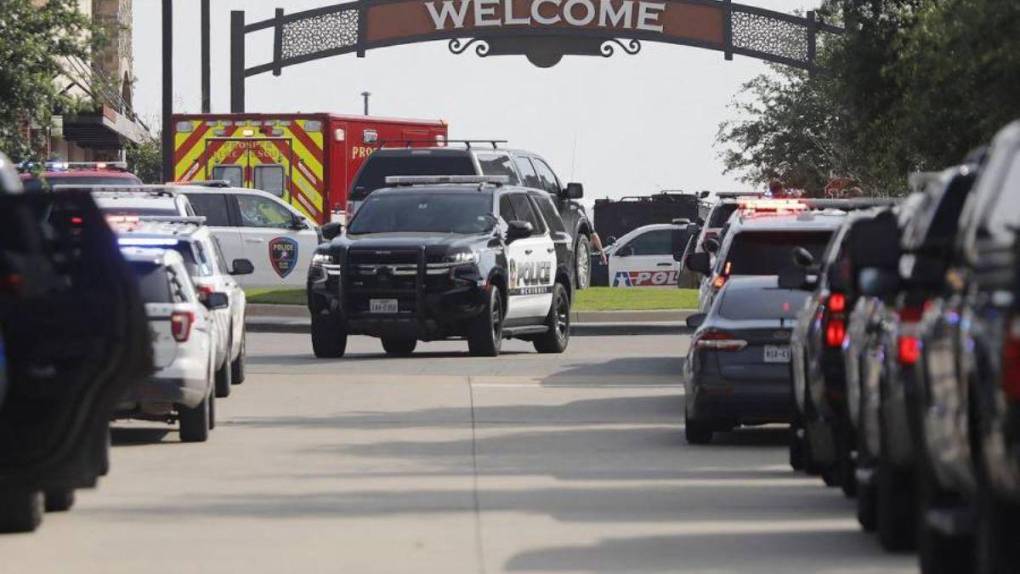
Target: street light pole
{"points": [[366, 95], [168, 90]]}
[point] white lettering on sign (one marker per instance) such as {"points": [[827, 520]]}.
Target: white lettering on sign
{"points": [[629, 15]]}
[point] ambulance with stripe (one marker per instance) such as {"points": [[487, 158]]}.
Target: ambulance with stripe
{"points": [[307, 160]]}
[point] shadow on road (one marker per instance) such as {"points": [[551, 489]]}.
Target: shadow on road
{"points": [[137, 436]]}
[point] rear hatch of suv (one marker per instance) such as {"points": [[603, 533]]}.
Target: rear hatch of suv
{"points": [[160, 310]]}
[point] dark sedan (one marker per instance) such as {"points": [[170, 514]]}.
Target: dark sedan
{"points": [[738, 367]]}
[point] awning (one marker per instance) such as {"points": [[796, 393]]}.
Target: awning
{"points": [[107, 128]]}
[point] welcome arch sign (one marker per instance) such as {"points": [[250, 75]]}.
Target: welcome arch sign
{"points": [[543, 31]]}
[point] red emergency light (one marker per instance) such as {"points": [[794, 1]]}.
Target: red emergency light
{"points": [[772, 206]]}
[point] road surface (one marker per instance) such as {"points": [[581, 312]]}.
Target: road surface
{"points": [[446, 463]]}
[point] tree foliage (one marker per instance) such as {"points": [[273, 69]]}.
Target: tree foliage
{"points": [[146, 160], [33, 42], [911, 85]]}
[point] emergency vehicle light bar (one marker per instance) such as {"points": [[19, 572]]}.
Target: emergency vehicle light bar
{"points": [[772, 206], [440, 179], [69, 165]]}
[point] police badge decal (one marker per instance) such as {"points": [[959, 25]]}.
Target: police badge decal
{"points": [[283, 255]]}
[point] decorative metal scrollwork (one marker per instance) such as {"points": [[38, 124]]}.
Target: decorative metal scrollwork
{"points": [[771, 36], [458, 46], [320, 33], [630, 48]]}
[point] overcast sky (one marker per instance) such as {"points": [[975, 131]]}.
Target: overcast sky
{"points": [[626, 125]]}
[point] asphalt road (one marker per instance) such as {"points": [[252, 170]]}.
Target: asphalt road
{"points": [[446, 463]]}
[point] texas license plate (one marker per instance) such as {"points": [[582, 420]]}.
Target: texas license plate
{"points": [[777, 354], [382, 305]]}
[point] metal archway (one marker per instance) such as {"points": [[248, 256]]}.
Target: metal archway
{"points": [[542, 30]]}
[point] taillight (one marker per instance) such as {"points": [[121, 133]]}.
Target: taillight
{"points": [[911, 314], [909, 351], [835, 324], [719, 341], [180, 325], [1011, 359]]}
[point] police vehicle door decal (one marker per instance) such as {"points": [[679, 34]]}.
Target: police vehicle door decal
{"points": [[530, 277], [283, 255]]}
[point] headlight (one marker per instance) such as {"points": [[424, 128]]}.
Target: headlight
{"points": [[320, 259], [461, 257]]}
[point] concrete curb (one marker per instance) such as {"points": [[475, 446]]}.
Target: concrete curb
{"points": [[295, 325], [291, 312]]}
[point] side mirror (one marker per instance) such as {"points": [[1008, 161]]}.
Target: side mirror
{"points": [[611, 240], [712, 245], [242, 267], [697, 320], [803, 258], [331, 230], [573, 191], [700, 262], [216, 300], [878, 282], [794, 279], [298, 223], [518, 230], [625, 251]]}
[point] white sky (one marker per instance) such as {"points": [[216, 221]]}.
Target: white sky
{"points": [[626, 125]]}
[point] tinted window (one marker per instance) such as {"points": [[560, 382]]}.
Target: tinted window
{"points": [[545, 173], [766, 253], [528, 172], [524, 211], [263, 212], [1004, 215], [212, 206], [552, 217], [721, 214], [506, 210], [742, 304], [270, 178], [498, 164], [659, 242], [153, 283], [377, 168], [426, 212], [230, 173]]}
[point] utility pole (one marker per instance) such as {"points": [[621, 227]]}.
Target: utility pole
{"points": [[168, 90], [366, 95], [206, 73]]}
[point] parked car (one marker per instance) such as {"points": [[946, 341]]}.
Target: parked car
{"points": [[474, 259], [210, 273], [184, 342], [141, 201], [74, 340], [260, 227], [522, 168], [737, 370], [645, 257], [61, 173]]}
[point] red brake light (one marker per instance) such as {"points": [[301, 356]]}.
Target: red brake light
{"points": [[909, 350], [835, 332], [204, 291], [911, 314], [180, 325], [1011, 359], [837, 303]]}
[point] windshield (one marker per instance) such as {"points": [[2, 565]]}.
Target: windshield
{"points": [[426, 212], [751, 304], [377, 168], [767, 253]]}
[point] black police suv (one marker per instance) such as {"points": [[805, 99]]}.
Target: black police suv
{"points": [[522, 168], [426, 261]]}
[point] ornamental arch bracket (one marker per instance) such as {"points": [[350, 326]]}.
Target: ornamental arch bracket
{"points": [[544, 31]]}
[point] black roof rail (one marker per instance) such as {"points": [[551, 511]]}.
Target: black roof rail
{"points": [[217, 183], [495, 143]]}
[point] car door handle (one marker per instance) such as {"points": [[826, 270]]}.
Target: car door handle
{"points": [[550, 250], [255, 240], [528, 251], [665, 264]]}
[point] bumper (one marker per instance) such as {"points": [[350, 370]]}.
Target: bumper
{"points": [[740, 402], [185, 382]]}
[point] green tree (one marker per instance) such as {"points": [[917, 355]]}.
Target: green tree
{"points": [[146, 160], [33, 42]]}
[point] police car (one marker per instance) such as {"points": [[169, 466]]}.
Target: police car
{"points": [[645, 257], [470, 257]]}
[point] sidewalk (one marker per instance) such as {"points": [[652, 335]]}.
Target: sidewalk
{"points": [[295, 319]]}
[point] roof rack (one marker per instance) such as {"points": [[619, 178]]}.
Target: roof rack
{"points": [[155, 190], [70, 165], [407, 180], [218, 183], [444, 143]]}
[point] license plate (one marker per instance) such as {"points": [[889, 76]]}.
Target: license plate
{"points": [[382, 305], [777, 354]]}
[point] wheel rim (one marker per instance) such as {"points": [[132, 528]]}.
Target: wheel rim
{"points": [[583, 264], [497, 318], [562, 318]]}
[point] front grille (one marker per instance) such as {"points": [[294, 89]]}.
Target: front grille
{"points": [[382, 274]]}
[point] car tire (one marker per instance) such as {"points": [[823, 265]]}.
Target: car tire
{"points": [[329, 338], [212, 412], [846, 469], [895, 516], [194, 422], [582, 262], [556, 339], [867, 507], [237, 373], [399, 347], [485, 338], [59, 499], [20, 511], [224, 377], [697, 432], [995, 544], [938, 553], [796, 446]]}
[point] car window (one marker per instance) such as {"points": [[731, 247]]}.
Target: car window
{"points": [[768, 252], [1004, 211], [263, 212], [721, 214], [377, 168], [552, 217], [750, 304], [221, 260], [506, 210], [498, 164], [232, 174], [212, 206], [545, 173], [270, 178], [524, 211], [528, 172], [153, 283], [203, 259], [658, 242]]}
